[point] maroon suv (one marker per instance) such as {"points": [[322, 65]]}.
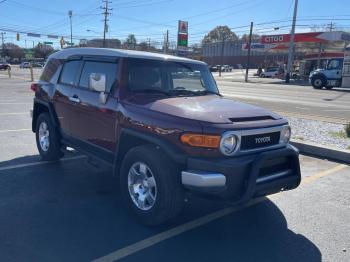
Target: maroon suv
{"points": [[162, 124]]}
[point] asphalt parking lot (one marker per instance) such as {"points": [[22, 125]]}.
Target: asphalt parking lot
{"points": [[71, 210]]}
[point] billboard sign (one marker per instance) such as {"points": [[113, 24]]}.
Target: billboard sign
{"points": [[183, 27], [182, 38]]}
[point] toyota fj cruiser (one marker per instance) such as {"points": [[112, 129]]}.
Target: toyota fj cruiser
{"points": [[163, 125]]}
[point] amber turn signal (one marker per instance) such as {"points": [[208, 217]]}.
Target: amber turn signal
{"points": [[201, 140]]}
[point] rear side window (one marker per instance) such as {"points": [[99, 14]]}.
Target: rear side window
{"points": [[109, 69], [69, 72], [50, 69]]}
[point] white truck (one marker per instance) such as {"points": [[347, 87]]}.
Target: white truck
{"points": [[336, 74]]}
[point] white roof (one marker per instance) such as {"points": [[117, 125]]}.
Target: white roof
{"points": [[66, 53]]}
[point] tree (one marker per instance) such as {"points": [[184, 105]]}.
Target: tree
{"points": [[13, 51], [245, 37], [218, 34], [42, 50], [143, 46], [130, 42]]}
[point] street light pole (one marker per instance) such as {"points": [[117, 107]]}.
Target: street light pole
{"points": [[291, 42], [222, 54], [249, 48], [3, 44], [70, 13]]}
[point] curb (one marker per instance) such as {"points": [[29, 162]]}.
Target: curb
{"points": [[322, 151]]}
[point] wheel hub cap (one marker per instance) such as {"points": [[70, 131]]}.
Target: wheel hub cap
{"points": [[44, 136], [142, 186]]}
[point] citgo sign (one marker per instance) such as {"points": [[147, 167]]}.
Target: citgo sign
{"points": [[272, 39]]}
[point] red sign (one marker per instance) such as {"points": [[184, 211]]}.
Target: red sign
{"points": [[302, 37]]}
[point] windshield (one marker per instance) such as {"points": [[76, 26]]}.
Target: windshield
{"points": [[172, 78], [334, 64]]}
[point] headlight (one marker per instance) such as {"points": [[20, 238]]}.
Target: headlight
{"points": [[285, 134], [228, 144]]}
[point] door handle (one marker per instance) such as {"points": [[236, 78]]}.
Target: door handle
{"points": [[74, 99]]}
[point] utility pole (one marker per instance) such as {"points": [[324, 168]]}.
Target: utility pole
{"points": [[248, 57], [3, 44], [222, 54], [70, 14], [148, 44], [291, 42], [331, 26], [166, 42], [106, 13]]}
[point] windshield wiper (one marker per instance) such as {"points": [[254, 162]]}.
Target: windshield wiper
{"points": [[205, 92], [191, 92], [155, 91]]}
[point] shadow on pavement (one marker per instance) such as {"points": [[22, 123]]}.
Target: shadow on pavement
{"points": [[257, 233], [71, 211]]}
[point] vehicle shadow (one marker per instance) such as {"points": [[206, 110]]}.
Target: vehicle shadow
{"points": [[69, 211], [256, 233]]}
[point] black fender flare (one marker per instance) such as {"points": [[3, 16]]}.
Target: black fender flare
{"points": [[173, 152], [320, 75], [38, 104]]}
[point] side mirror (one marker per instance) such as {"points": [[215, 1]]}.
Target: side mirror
{"points": [[97, 82]]}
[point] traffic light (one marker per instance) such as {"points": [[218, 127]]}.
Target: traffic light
{"points": [[17, 36]]}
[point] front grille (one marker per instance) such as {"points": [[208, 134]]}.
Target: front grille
{"points": [[251, 142]]}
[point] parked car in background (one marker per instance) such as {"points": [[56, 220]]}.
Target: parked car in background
{"points": [[270, 72], [214, 69], [162, 124], [37, 65], [25, 65], [5, 66], [227, 68]]}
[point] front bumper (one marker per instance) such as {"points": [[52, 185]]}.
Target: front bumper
{"points": [[243, 178]]}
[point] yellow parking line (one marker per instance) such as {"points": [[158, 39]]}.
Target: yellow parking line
{"points": [[151, 241], [138, 246], [14, 130], [333, 170]]}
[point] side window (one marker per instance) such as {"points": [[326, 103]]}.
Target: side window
{"points": [[109, 69], [69, 72], [50, 69]]}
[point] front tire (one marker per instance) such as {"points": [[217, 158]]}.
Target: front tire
{"points": [[150, 185], [47, 139], [318, 82]]}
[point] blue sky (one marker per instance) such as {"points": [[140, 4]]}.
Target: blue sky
{"points": [[151, 18]]}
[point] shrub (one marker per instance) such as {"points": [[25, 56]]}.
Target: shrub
{"points": [[347, 130]]}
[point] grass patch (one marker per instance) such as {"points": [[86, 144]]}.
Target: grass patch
{"points": [[348, 148], [300, 138], [338, 134]]}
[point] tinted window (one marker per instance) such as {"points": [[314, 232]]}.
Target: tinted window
{"points": [[69, 72], [334, 64], [109, 69], [50, 69], [167, 76]]}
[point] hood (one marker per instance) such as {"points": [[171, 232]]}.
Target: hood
{"points": [[209, 108], [317, 71]]}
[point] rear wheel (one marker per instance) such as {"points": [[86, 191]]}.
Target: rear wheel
{"points": [[318, 82], [150, 185], [47, 138]]}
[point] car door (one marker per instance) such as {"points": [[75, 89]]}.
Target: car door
{"points": [[95, 120], [64, 100]]}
